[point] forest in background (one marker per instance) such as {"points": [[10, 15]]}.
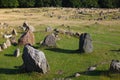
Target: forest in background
{"points": [[60, 3]]}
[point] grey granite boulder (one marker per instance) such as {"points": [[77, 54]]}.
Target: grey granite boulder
{"points": [[34, 60], [85, 43], [115, 66]]}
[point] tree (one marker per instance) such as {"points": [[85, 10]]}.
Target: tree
{"points": [[90, 3], [46, 3], [56, 3], [65, 3], [8, 3], [106, 3], [39, 3], [75, 3], [26, 3]]}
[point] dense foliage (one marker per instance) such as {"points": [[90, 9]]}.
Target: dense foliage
{"points": [[60, 3]]}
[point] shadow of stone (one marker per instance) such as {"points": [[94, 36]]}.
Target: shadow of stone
{"points": [[10, 55], [93, 73], [9, 71], [115, 50], [63, 50]]}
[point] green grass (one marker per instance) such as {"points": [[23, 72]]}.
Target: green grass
{"points": [[106, 43]]}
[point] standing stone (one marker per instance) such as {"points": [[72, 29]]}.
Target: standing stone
{"points": [[34, 60], [14, 32], [0, 48], [85, 43], [115, 66], [8, 43], [26, 26], [49, 41], [13, 41], [4, 46], [17, 52], [49, 29], [27, 38]]}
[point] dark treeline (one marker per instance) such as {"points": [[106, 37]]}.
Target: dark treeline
{"points": [[60, 3]]}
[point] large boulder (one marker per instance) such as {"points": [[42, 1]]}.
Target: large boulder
{"points": [[115, 66], [34, 60], [49, 41], [85, 43], [27, 38]]}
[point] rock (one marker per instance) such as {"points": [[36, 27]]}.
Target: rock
{"points": [[115, 66], [77, 74], [14, 32], [26, 27], [49, 29], [27, 38], [7, 36], [0, 48], [4, 46], [49, 41], [34, 60], [92, 68], [8, 43], [13, 41], [17, 52], [77, 34], [85, 43]]}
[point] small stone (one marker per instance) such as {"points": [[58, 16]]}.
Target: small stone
{"points": [[0, 48], [14, 32], [49, 29], [8, 43], [92, 68], [77, 74], [115, 66], [4, 46], [17, 52]]}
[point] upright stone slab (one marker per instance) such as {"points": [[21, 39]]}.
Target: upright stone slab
{"points": [[26, 26], [4, 46], [14, 32], [17, 52], [8, 43], [49, 29], [13, 41], [0, 49], [85, 43], [34, 60], [115, 66], [27, 38], [49, 41]]}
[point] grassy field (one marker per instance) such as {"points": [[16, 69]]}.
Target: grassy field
{"points": [[105, 35]]}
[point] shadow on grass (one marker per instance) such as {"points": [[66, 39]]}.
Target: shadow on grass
{"points": [[63, 50], [9, 71], [9, 55], [115, 50], [92, 73]]}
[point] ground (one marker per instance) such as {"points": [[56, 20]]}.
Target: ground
{"points": [[105, 35]]}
